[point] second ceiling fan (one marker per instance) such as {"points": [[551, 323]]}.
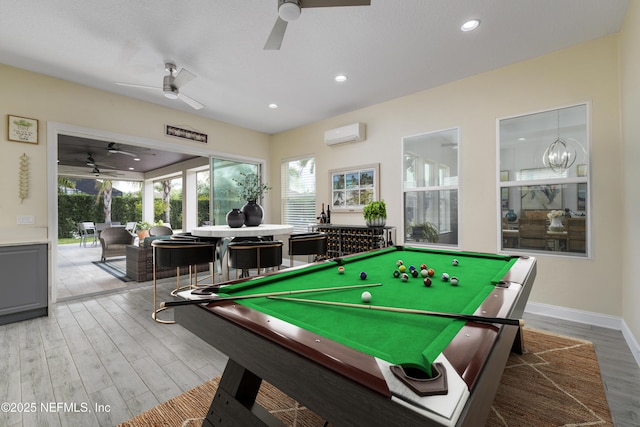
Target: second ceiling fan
{"points": [[290, 10]]}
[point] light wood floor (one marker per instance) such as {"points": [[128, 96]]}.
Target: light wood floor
{"points": [[100, 360]]}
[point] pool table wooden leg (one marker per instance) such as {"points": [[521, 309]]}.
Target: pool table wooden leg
{"points": [[234, 401], [518, 342]]}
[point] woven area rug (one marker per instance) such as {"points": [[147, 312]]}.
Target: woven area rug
{"points": [[555, 383], [116, 267]]}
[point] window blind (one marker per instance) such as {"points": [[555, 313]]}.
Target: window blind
{"points": [[298, 178]]}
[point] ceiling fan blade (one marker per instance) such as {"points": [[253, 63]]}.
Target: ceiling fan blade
{"points": [[191, 102], [137, 85], [277, 34], [183, 77], [334, 3]]}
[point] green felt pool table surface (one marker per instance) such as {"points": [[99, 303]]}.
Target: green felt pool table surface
{"points": [[399, 338]]}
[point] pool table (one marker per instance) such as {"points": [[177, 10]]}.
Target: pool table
{"points": [[350, 364]]}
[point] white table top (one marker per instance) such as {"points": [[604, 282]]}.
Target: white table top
{"points": [[244, 231]]}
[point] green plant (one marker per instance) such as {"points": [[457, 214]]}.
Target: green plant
{"points": [[427, 231], [250, 187], [375, 210], [143, 225]]}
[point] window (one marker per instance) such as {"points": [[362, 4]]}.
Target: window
{"points": [[225, 189], [430, 176], [203, 196], [544, 183], [298, 183]]}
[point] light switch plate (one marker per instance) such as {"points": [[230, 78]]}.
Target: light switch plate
{"points": [[26, 219]]}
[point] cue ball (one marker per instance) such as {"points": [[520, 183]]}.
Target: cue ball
{"points": [[396, 274], [455, 262], [402, 268], [341, 270], [445, 277], [454, 281], [363, 275], [366, 296], [424, 273], [427, 282], [405, 277]]}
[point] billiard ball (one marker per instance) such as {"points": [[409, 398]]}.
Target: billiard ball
{"points": [[427, 282], [405, 277], [414, 273], [366, 296], [424, 273], [454, 281], [423, 266], [402, 268], [431, 272], [399, 262], [363, 275], [341, 270], [396, 274], [411, 268], [455, 262], [445, 277]]}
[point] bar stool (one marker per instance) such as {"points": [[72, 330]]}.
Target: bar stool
{"points": [[307, 244], [176, 254], [249, 255]]}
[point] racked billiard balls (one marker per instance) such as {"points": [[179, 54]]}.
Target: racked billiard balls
{"points": [[405, 277], [454, 281], [427, 282], [431, 272], [341, 270], [402, 268], [455, 262], [445, 277], [414, 273], [396, 274], [363, 275]]}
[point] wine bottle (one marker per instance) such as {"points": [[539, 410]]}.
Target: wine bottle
{"points": [[328, 213], [323, 216]]}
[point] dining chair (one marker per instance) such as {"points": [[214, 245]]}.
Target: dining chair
{"points": [[307, 244], [249, 255], [87, 230]]}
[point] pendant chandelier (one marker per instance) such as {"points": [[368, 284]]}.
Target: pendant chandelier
{"points": [[562, 152]]}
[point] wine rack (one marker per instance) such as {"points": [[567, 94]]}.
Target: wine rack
{"points": [[349, 239]]}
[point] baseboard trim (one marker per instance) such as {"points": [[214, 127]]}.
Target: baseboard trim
{"points": [[590, 318]]}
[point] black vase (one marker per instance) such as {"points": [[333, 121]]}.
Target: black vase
{"points": [[511, 215], [235, 218], [253, 214]]}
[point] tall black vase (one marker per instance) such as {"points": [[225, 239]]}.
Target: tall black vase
{"points": [[235, 218], [253, 213]]}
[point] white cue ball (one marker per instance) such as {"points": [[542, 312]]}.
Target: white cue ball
{"points": [[366, 296]]}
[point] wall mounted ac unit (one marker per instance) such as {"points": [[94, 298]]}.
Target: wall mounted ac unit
{"points": [[349, 133]]}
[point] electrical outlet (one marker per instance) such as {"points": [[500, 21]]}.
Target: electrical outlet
{"points": [[26, 219]]}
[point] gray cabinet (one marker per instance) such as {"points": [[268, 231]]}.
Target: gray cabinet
{"points": [[23, 282]]}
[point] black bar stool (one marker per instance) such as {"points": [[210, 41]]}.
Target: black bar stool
{"points": [[248, 255], [176, 254], [307, 244]]}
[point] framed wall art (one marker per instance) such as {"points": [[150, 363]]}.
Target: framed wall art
{"points": [[353, 188], [22, 129]]}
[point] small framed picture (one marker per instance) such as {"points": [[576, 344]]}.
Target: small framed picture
{"points": [[22, 129]]}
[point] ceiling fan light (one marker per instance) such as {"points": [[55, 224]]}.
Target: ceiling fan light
{"points": [[170, 94], [289, 11]]}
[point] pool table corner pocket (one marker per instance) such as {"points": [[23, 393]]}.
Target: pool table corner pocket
{"points": [[421, 385]]}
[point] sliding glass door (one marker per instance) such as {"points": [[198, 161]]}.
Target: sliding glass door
{"points": [[225, 190]]}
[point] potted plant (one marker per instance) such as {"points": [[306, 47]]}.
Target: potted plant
{"points": [[142, 230], [251, 190], [427, 231], [375, 214]]}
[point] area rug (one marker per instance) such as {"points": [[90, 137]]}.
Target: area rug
{"points": [[555, 383], [117, 268]]}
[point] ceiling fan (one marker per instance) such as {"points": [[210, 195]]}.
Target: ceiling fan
{"points": [[289, 10], [171, 85], [114, 148], [97, 172]]}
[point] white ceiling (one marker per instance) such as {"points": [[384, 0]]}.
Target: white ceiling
{"points": [[389, 49]]}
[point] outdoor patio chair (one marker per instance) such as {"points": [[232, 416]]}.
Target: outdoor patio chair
{"points": [[87, 230]]}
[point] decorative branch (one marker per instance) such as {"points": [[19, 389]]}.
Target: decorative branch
{"points": [[24, 177]]}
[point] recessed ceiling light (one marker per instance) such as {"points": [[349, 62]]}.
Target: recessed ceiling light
{"points": [[341, 78], [522, 138], [136, 159], [130, 169], [273, 106], [470, 25]]}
